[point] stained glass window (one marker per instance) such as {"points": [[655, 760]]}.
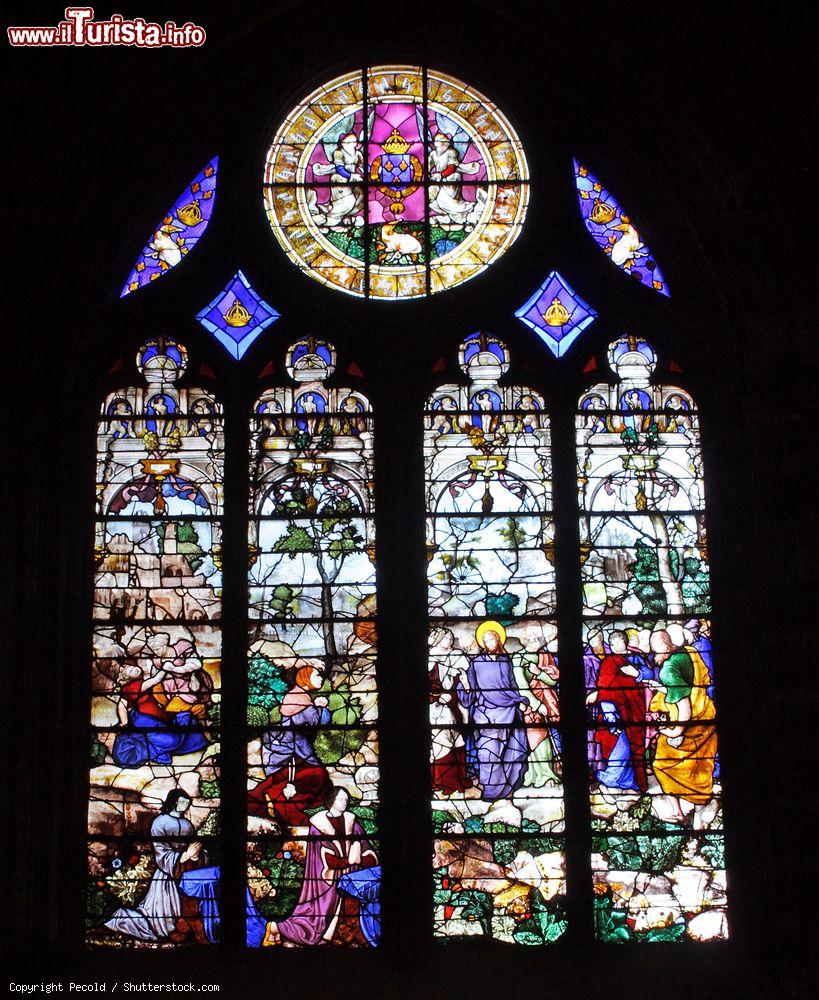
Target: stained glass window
{"points": [[395, 182], [495, 747], [237, 316], [557, 314], [153, 814], [178, 232], [313, 856], [615, 232], [657, 858]]}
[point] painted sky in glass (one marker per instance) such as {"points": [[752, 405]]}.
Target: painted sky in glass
{"points": [[658, 859], [495, 748], [153, 813], [313, 871]]}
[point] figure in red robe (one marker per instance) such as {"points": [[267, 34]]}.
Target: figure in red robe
{"points": [[295, 779], [448, 750], [620, 732]]}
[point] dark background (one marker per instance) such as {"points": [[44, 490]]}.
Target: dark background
{"points": [[700, 119]]}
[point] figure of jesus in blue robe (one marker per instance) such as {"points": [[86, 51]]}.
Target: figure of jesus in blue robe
{"points": [[495, 706]]}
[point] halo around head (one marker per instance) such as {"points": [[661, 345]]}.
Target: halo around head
{"points": [[490, 626]]}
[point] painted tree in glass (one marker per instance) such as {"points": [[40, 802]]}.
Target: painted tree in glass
{"points": [[313, 868], [495, 748], [657, 860], [154, 771]]}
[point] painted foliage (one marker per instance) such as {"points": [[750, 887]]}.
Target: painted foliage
{"points": [[153, 811], [495, 748], [658, 861], [395, 182], [313, 865]]}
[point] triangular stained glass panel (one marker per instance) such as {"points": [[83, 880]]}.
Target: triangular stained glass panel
{"points": [[178, 232], [557, 314], [614, 231], [237, 316]]}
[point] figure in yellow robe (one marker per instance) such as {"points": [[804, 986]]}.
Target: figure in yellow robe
{"points": [[684, 759]]}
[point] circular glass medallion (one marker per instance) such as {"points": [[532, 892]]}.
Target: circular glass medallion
{"points": [[394, 183]]}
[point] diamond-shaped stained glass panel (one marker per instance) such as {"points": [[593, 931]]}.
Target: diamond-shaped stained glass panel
{"points": [[557, 314], [237, 316]]}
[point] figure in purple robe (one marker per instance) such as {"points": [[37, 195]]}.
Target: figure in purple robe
{"points": [[495, 706], [323, 914]]}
